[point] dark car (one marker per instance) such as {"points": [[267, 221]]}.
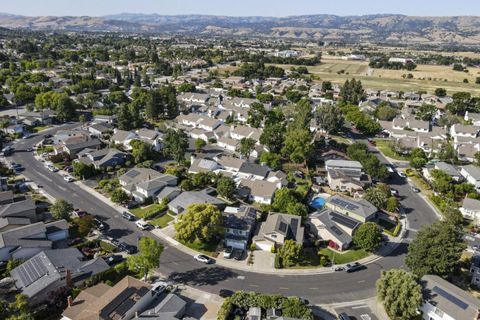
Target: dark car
{"points": [[238, 254], [113, 259], [98, 224], [343, 316], [130, 205], [128, 248], [68, 169], [355, 267], [128, 216], [225, 293]]}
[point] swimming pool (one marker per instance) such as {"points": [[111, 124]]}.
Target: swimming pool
{"points": [[317, 203]]}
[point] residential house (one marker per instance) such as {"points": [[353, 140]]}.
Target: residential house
{"points": [[239, 224], [203, 165], [470, 209], [128, 299], [445, 301], [260, 191], [333, 227], [152, 137], [209, 124], [20, 239], [124, 138], [168, 193], [143, 183], [33, 118], [360, 210], [474, 118], [241, 132], [253, 171], [278, 228], [100, 129], [187, 198], [18, 128], [74, 147], [103, 158], [105, 119], [229, 144], [471, 173], [346, 175], [20, 209], [51, 271], [445, 167], [70, 136], [466, 131]]}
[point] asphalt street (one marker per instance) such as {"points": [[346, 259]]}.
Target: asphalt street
{"points": [[180, 267]]}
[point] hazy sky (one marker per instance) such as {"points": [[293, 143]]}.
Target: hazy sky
{"points": [[241, 7]]}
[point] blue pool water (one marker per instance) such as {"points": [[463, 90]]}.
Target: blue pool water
{"points": [[317, 203]]}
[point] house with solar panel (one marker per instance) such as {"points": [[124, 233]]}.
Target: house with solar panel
{"points": [[358, 209], [445, 301], [50, 271], [278, 228], [335, 228], [346, 175], [143, 183]]}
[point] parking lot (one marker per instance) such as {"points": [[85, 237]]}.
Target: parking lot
{"points": [[357, 312]]}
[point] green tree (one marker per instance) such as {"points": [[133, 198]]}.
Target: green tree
{"points": [[83, 171], [176, 144], [376, 196], [199, 144], [283, 198], [148, 257], [400, 294], [85, 224], [352, 91], [290, 253], [61, 209], [298, 145], [447, 153], [272, 137], [329, 118], [440, 92], [141, 151], [246, 147], [436, 250], [271, 159], [200, 223], [392, 204], [119, 196], [385, 112], [368, 236], [226, 187]]}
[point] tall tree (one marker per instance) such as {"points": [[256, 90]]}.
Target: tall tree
{"points": [[368, 236], [272, 137], [61, 209], [290, 252], [436, 250], [400, 294], [246, 147], [329, 118], [176, 144], [148, 257], [298, 145], [226, 187], [199, 223]]}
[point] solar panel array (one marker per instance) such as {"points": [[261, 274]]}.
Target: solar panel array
{"points": [[459, 303], [344, 204], [31, 271], [338, 218], [294, 225], [132, 174], [282, 227], [337, 231]]}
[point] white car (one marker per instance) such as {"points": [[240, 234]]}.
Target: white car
{"points": [[142, 224], [203, 258], [68, 178], [52, 168], [401, 174]]}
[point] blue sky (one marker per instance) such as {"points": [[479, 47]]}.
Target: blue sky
{"points": [[241, 7]]}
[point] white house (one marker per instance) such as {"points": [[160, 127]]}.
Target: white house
{"points": [[461, 130], [470, 209], [471, 173], [123, 137]]}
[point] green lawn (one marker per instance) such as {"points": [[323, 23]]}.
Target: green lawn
{"points": [[347, 257], [384, 148], [148, 211], [310, 259], [40, 128], [162, 221], [206, 248]]}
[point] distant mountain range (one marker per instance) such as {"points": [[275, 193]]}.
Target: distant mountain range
{"points": [[392, 28]]}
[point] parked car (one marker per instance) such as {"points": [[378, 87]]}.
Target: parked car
{"points": [[128, 248], [416, 190], [203, 258], [354, 267], [68, 178], [343, 316], [98, 224], [142, 224], [394, 192], [238, 254], [225, 293], [228, 252], [128, 216], [402, 175], [113, 259], [68, 169], [130, 205]]}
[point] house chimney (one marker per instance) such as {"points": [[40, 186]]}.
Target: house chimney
{"points": [[69, 301], [68, 278]]}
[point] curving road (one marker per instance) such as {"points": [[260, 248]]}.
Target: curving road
{"points": [[180, 267]]}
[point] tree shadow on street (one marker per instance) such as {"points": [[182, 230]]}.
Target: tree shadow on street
{"points": [[202, 276]]}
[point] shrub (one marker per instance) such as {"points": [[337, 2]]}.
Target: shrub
{"points": [[225, 309], [253, 246], [107, 246]]}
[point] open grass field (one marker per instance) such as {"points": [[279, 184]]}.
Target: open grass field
{"points": [[425, 77]]}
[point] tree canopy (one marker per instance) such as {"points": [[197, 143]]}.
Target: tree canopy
{"points": [[148, 257], [199, 223]]}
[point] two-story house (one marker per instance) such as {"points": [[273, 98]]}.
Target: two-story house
{"points": [[239, 224]]}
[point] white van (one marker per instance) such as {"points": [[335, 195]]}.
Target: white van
{"points": [[142, 224]]}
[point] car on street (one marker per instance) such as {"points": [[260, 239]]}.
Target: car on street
{"points": [[354, 267], [128, 248], [128, 216], [113, 259], [343, 316], [394, 192], [402, 175], [415, 189], [29, 149], [203, 258], [227, 254], [142, 224], [339, 268], [68, 178], [225, 293], [68, 169]]}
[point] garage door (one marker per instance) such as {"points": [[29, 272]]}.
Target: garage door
{"points": [[236, 244], [263, 245]]}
